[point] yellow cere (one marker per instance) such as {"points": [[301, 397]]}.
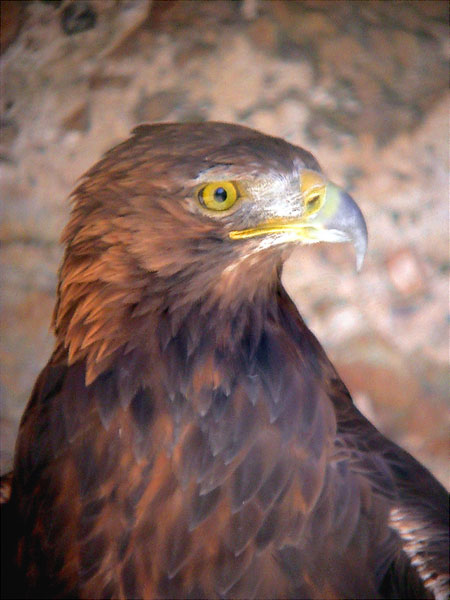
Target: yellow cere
{"points": [[313, 190], [219, 195]]}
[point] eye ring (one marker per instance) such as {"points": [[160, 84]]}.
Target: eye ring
{"points": [[218, 196]]}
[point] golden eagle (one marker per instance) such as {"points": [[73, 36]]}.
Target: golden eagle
{"points": [[189, 437]]}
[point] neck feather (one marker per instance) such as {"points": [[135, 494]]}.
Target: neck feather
{"points": [[109, 306]]}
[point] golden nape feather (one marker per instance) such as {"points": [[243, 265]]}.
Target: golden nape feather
{"points": [[188, 437]]}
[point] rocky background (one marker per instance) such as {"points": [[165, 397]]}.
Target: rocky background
{"points": [[363, 85]]}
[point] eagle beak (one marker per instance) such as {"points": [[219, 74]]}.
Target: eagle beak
{"points": [[329, 214], [339, 220]]}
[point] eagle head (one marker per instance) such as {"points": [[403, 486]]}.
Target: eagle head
{"points": [[193, 213]]}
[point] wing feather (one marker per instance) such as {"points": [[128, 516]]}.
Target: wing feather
{"points": [[226, 475]]}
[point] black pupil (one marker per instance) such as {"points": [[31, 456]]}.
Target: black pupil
{"points": [[220, 195]]}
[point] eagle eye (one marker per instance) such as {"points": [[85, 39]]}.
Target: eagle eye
{"points": [[220, 195]]}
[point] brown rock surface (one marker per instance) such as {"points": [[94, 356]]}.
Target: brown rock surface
{"points": [[362, 85]]}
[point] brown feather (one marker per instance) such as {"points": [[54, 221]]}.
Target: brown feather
{"points": [[189, 437]]}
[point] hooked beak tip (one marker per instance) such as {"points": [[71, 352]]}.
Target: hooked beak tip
{"points": [[350, 220]]}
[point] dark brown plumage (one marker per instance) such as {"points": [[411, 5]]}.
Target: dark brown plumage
{"points": [[189, 438]]}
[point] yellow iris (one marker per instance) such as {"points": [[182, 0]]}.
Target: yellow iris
{"points": [[220, 195]]}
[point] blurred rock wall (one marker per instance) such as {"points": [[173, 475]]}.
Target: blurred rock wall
{"points": [[363, 85]]}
